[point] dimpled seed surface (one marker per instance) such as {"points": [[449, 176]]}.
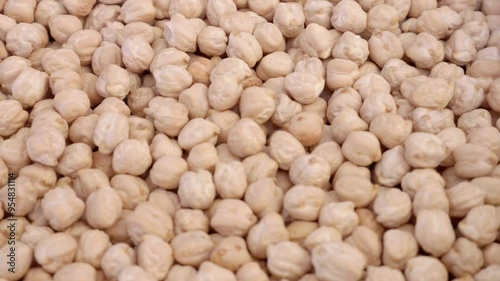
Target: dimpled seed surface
{"points": [[249, 140]]}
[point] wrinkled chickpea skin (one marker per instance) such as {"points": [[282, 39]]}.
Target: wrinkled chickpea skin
{"points": [[250, 140]]}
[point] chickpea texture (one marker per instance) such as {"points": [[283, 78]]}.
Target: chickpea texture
{"points": [[249, 140]]}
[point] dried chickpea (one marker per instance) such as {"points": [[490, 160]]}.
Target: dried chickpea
{"points": [[12, 117], [426, 267], [289, 18], [392, 207], [327, 264], [269, 37], [480, 225], [473, 160], [382, 17], [341, 73], [351, 47], [116, 258], [348, 16], [71, 104]]}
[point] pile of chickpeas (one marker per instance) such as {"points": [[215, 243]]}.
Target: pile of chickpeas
{"points": [[249, 140]]}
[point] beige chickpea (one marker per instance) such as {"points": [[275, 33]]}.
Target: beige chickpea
{"points": [[348, 16], [104, 55], [11, 67], [190, 9], [24, 257], [413, 180], [447, 71], [92, 246], [228, 211], [489, 186], [285, 148], [71, 104], [134, 11], [112, 104], [122, 32], [417, 7], [396, 255], [434, 232], [259, 166], [62, 26], [132, 190], [186, 220], [192, 253], [425, 51], [463, 197], [473, 160], [103, 201], [234, 22], [374, 273], [147, 218], [474, 119], [383, 46], [127, 151], [310, 169], [346, 122], [269, 230], [25, 196], [480, 225], [103, 162], [76, 156], [460, 48], [367, 241], [269, 37], [245, 138], [313, 65], [351, 47], [100, 15], [392, 207], [395, 71], [319, 12], [304, 202], [137, 54], [263, 8], [430, 197], [289, 18], [224, 153], [116, 258], [488, 273], [155, 256], [42, 177], [285, 110], [7, 24], [218, 8], [339, 215], [161, 145], [230, 179], [478, 31], [212, 41], [84, 43], [64, 79], [182, 33], [224, 93], [304, 87], [288, 260], [429, 156], [432, 121], [176, 167], [14, 154], [211, 271], [34, 234], [30, 87], [317, 41], [110, 124], [377, 104], [181, 273], [199, 68], [75, 271], [321, 235], [55, 251], [361, 148], [464, 257], [426, 267], [392, 167], [251, 271], [203, 156], [24, 38], [341, 73], [231, 253], [244, 45], [468, 95], [169, 115], [493, 97], [82, 129], [113, 82], [327, 264], [46, 146], [190, 185], [172, 80], [197, 131], [390, 129], [13, 117], [299, 230], [264, 197], [139, 99], [277, 64], [356, 189], [141, 129], [21, 11], [257, 104], [61, 59], [382, 17], [490, 254], [307, 127]]}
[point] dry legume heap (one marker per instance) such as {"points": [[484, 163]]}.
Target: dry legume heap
{"points": [[249, 140]]}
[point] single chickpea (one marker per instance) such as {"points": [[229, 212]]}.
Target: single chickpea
{"points": [[190, 184], [175, 164], [147, 218], [192, 253], [460, 48], [24, 38], [326, 264], [473, 160], [339, 215], [218, 8], [55, 251], [13, 117], [181, 273], [269, 37], [395, 71], [392, 207], [138, 11], [269, 230], [351, 47], [210, 271], [288, 260], [474, 119], [24, 256], [430, 156], [383, 46], [319, 12], [116, 258], [457, 263], [382, 17], [182, 33], [396, 255], [341, 73], [480, 225], [110, 124], [71, 104], [289, 18], [20, 11], [361, 148], [348, 16]]}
